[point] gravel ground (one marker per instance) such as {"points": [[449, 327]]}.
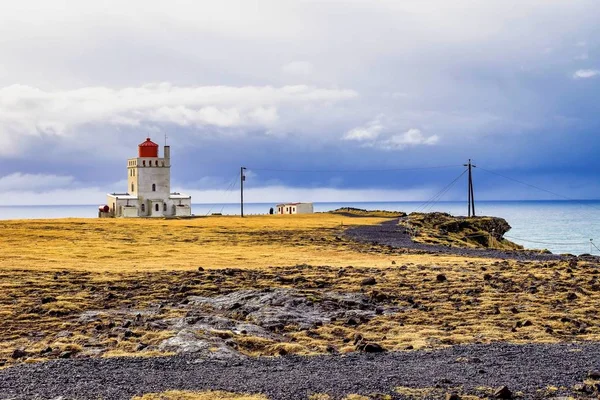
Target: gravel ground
{"points": [[524, 368], [391, 234]]}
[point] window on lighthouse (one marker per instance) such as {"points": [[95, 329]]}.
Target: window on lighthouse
{"points": [[132, 188], [154, 188]]}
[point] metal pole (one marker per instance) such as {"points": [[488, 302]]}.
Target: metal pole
{"points": [[472, 190], [469, 189], [242, 179]]}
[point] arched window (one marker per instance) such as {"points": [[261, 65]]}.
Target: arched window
{"points": [[132, 188], [144, 163], [156, 206], [165, 207], [156, 163], [154, 188], [143, 208]]}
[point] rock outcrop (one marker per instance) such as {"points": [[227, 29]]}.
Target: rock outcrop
{"points": [[445, 229]]}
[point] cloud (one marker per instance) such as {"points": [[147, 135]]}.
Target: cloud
{"points": [[585, 73], [370, 135], [33, 182], [29, 111], [367, 132], [472, 75], [412, 137], [302, 68]]}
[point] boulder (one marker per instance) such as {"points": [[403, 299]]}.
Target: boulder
{"points": [[66, 354], [331, 349], [372, 348], [19, 353], [48, 299], [368, 281], [503, 392], [594, 374]]}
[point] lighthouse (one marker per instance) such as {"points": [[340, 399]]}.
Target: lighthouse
{"points": [[148, 187]]}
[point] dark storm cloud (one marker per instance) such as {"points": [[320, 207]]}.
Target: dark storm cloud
{"points": [[320, 86]]}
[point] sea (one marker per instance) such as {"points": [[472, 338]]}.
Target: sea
{"points": [[559, 226]]}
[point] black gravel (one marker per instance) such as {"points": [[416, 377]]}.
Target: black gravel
{"points": [[524, 368], [391, 234]]}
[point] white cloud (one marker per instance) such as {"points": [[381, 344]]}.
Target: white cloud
{"points": [[302, 68], [586, 73], [33, 182], [370, 136], [28, 111], [412, 137], [368, 132]]}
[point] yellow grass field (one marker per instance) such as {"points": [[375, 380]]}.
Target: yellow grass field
{"points": [[136, 245], [55, 272]]}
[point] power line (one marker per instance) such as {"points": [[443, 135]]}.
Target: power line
{"points": [[439, 195], [232, 188], [353, 170], [537, 188], [225, 192], [540, 242]]}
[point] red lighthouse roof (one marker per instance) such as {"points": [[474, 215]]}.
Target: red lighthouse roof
{"points": [[148, 149]]}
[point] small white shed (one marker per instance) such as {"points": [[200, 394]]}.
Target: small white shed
{"points": [[295, 208]]}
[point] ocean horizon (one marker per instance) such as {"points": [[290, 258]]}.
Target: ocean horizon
{"points": [[561, 226]]}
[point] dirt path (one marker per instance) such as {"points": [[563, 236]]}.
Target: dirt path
{"points": [[530, 369], [391, 234]]}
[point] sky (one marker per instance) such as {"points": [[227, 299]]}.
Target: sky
{"points": [[320, 100]]}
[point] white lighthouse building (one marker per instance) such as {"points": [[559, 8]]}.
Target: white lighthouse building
{"points": [[148, 188]]}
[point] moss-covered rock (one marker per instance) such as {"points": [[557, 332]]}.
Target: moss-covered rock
{"points": [[445, 229]]}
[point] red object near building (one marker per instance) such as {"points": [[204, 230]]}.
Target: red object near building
{"points": [[104, 208], [148, 149]]}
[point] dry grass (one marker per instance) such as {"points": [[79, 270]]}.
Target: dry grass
{"points": [[119, 245], [183, 395], [509, 301], [54, 273], [433, 393]]}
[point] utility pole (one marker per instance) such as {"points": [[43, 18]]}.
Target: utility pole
{"points": [[242, 179], [470, 191]]}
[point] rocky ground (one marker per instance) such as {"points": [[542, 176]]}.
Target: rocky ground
{"points": [[64, 333], [528, 371], [397, 236]]}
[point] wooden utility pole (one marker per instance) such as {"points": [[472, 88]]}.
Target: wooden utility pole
{"points": [[470, 191], [242, 179]]}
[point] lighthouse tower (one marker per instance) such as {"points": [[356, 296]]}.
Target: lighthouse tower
{"points": [[149, 187]]}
